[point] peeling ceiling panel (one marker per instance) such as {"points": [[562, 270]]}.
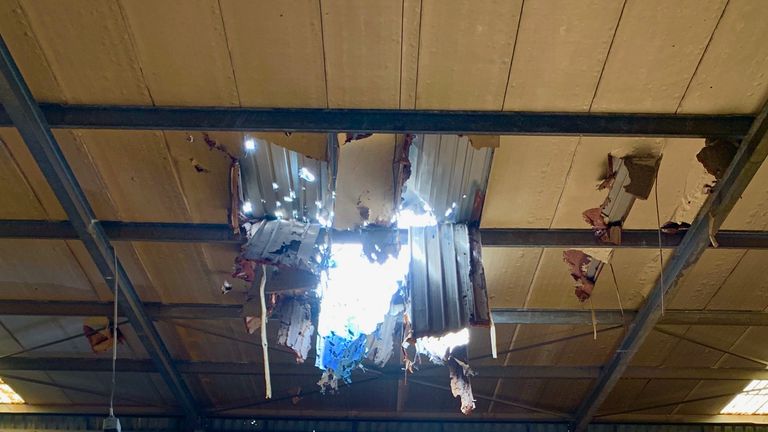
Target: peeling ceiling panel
{"points": [[527, 178], [277, 52], [560, 51], [362, 53], [365, 182], [74, 37], [465, 42], [449, 174], [182, 51], [731, 77], [654, 54], [283, 183]]}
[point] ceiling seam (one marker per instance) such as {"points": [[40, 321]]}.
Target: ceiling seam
{"points": [[512, 57], [701, 58], [717, 364], [607, 56], [135, 51], [36, 41], [515, 334], [229, 54], [418, 56], [720, 287], [565, 182], [325, 57], [47, 214]]}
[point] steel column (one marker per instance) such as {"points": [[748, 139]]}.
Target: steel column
{"points": [[26, 115]]}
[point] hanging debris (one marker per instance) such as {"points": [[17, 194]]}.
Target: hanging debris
{"points": [[100, 334], [628, 178], [280, 243], [585, 267], [461, 386], [296, 329], [381, 343], [716, 155]]}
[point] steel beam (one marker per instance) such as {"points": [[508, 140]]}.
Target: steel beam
{"points": [[80, 364], [751, 154], [202, 311], [26, 115], [389, 121], [492, 237]]}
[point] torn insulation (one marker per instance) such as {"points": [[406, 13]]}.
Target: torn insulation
{"points": [[282, 243], [585, 269], [628, 178], [296, 328]]}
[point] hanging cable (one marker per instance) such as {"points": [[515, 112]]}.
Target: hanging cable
{"points": [[618, 294], [594, 319], [264, 344], [661, 255], [114, 342]]}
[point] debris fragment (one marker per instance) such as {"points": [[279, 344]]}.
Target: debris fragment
{"points": [[381, 344], [585, 270], [628, 178], [356, 136], [198, 167], [226, 287], [716, 155], [484, 141], [280, 243], [99, 332], [252, 323], [461, 386], [338, 357], [296, 329]]}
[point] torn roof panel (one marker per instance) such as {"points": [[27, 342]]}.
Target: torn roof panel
{"points": [[365, 184], [449, 174], [283, 183], [443, 295]]}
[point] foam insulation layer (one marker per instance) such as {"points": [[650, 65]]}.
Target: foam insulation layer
{"points": [[365, 184], [559, 54], [276, 52], [654, 54], [461, 42]]}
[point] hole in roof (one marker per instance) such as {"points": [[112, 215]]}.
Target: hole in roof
{"points": [[8, 395]]}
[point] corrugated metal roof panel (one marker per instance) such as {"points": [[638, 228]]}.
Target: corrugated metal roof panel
{"points": [[284, 183], [448, 173]]}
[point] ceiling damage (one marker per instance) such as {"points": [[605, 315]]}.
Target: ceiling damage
{"points": [[420, 292], [706, 57]]}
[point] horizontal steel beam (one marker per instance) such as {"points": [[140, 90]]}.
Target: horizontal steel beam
{"points": [[491, 237], [389, 121], [192, 311], [80, 364]]}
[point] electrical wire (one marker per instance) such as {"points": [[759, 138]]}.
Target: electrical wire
{"points": [[114, 342], [616, 285]]}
